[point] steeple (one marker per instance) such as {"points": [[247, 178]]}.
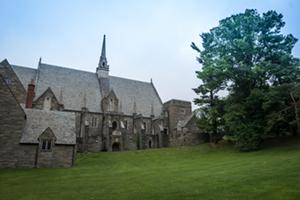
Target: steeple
{"points": [[102, 65], [103, 71]]}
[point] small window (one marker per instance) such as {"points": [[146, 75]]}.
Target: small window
{"points": [[145, 125], [94, 122], [125, 124], [114, 125], [182, 111], [46, 145]]}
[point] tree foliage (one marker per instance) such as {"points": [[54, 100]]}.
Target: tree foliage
{"points": [[249, 58]]}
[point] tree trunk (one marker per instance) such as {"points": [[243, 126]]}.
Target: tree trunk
{"points": [[214, 120], [296, 109]]}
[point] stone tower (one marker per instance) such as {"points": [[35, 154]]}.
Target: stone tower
{"points": [[103, 71]]}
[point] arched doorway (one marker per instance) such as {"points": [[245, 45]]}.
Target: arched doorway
{"points": [[150, 144], [116, 146]]}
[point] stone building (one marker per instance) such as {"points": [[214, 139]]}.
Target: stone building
{"points": [[94, 111], [32, 137]]}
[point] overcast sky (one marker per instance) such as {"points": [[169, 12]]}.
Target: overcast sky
{"points": [[145, 39]]}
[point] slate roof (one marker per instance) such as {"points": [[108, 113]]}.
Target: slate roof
{"points": [[25, 74], [75, 84], [143, 93], [61, 123]]}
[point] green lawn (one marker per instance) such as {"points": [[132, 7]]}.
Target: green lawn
{"points": [[200, 172]]}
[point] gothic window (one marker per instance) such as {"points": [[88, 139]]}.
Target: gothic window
{"points": [[125, 124], [94, 122], [46, 145], [111, 105]]}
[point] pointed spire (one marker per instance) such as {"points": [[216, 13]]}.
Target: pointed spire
{"points": [[103, 61], [103, 52], [40, 60]]}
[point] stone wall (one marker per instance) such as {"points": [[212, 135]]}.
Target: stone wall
{"points": [[59, 156], [12, 119], [190, 134], [12, 80], [95, 132], [175, 110]]}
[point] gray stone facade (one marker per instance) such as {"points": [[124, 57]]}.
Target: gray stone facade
{"points": [[71, 110], [22, 132]]}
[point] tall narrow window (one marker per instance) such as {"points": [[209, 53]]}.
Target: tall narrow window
{"points": [[126, 124], [94, 122], [114, 125]]}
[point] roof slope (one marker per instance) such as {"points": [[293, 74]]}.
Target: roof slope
{"points": [[61, 123], [24, 74], [75, 84], [142, 93], [77, 87]]}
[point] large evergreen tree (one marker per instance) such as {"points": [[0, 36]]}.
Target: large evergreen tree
{"points": [[248, 56]]}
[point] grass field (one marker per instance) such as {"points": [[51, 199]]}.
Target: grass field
{"points": [[200, 172]]}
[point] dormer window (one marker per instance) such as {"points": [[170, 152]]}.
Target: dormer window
{"points": [[46, 145], [47, 140]]}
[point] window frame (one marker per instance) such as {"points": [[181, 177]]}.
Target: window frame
{"points": [[46, 145]]}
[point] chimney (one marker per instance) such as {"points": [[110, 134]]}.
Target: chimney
{"points": [[30, 94]]}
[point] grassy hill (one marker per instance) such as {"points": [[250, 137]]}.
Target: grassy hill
{"points": [[199, 172]]}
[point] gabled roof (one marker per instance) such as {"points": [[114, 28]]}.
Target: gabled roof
{"points": [[46, 91], [76, 83], [10, 98], [24, 74], [61, 123], [48, 133]]}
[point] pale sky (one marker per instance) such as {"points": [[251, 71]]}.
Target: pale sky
{"points": [[145, 39]]}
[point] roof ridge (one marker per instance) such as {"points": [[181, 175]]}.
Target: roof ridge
{"points": [[23, 67], [68, 68], [129, 79]]}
